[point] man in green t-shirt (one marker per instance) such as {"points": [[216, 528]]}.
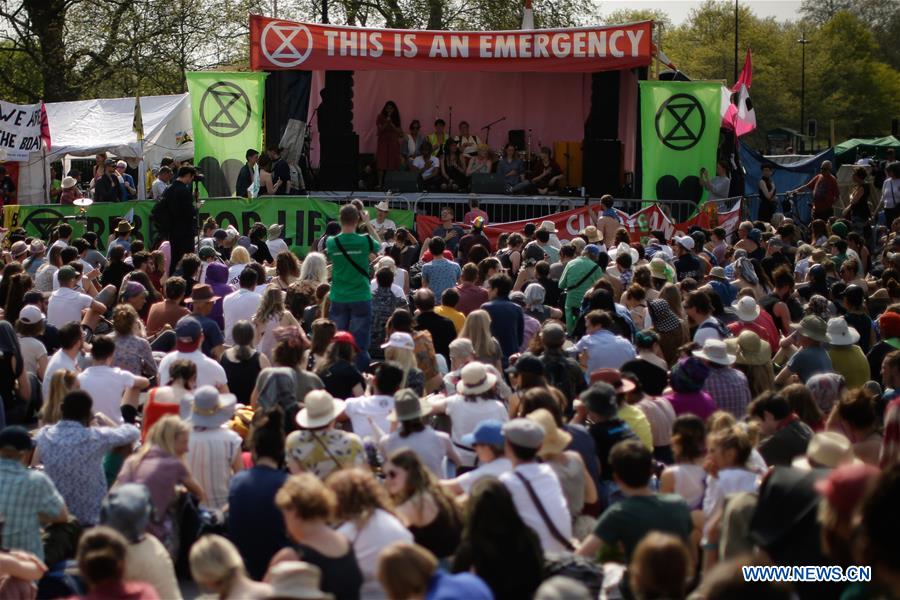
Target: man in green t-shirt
{"points": [[351, 292], [577, 278], [642, 510]]}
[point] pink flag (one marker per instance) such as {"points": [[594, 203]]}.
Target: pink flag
{"points": [[737, 108], [45, 127]]}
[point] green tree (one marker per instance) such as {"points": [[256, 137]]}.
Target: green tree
{"points": [[848, 81]]}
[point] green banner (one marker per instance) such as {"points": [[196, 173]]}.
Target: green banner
{"points": [[680, 123], [304, 219], [226, 114]]}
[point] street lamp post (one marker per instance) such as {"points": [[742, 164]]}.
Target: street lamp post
{"points": [[736, 29], [803, 42]]}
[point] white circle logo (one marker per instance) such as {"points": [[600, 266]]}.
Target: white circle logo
{"points": [[289, 52]]}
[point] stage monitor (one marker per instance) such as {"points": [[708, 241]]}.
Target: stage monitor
{"points": [[488, 183], [401, 182]]}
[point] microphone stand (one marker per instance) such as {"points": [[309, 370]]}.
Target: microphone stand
{"points": [[487, 136]]}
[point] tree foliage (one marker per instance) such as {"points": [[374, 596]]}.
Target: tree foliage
{"points": [[847, 78]]}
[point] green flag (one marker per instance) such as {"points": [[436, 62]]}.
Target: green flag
{"points": [[226, 114], [679, 135]]}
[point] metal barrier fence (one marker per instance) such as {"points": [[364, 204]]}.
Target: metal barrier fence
{"points": [[504, 208]]}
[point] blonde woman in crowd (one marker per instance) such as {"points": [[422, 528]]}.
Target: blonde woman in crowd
{"points": [[217, 567], [271, 315], [477, 329], [61, 383]]}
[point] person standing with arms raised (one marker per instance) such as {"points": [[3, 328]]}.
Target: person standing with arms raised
{"points": [[169, 215], [351, 292]]}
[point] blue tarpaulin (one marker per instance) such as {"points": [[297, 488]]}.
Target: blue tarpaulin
{"points": [[786, 177]]}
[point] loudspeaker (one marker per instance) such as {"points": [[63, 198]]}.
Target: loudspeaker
{"points": [[488, 183], [339, 165], [403, 182], [811, 128], [603, 167], [517, 138]]}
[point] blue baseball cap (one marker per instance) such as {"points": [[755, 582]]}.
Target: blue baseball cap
{"points": [[188, 329], [489, 431], [592, 249]]}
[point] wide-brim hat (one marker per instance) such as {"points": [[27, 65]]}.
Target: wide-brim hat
{"points": [[210, 408], [274, 231], [19, 248], [812, 327], [548, 226], [718, 273], [296, 579], [383, 206], [68, 182], [320, 410], [614, 378], [202, 292], [660, 269], [592, 234], [750, 349], [555, 439], [746, 309], [124, 227], [626, 248], [827, 449], [475, 379], [715, 351], [840, 333], [409, 406]]}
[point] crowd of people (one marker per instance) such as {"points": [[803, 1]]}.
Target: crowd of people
{"points": [[463, 416]]}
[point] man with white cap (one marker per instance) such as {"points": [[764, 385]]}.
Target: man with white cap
{"points": [[535, 488], [750, 317], [727, 386], [686, 263], [381, 222], [846, 356]]}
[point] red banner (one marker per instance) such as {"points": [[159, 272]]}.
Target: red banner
{"points": [[571, 222], [278, 45]]}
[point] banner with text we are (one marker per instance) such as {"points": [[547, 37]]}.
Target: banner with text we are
{"points": [[23, 129]]}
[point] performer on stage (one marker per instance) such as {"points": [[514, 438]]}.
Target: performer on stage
{"points": [[411, 146], [439, 138], [453, 169], [390, 133], [511, 167], [468, 143], [481, 163]]}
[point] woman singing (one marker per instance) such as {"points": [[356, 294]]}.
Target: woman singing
{"points": [[387, 154]]}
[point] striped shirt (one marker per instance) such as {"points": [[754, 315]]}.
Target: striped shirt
{"points": [[24, 495], [211, 452]]}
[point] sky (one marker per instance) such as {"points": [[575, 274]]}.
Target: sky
{"points": [[678, 10]]}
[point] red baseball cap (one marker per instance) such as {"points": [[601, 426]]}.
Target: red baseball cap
{"points": [[346, 337]]}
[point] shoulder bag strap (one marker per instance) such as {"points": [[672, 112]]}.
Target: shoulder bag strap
{"points": [[567, 544], [583, 279], [339, 464], [340, 246]]}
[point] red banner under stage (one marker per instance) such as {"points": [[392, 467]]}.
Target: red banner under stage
{"points": [[279, 45], [569, 223]]}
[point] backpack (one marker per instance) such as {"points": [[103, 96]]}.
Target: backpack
{"points": [[717, 325]]}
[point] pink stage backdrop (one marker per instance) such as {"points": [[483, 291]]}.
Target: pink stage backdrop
{"points": [[553, 105]]}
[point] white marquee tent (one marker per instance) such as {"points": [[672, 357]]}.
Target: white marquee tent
{"points": [[85, 127]]}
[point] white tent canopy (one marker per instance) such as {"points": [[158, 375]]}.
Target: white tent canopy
{"points": [[85, 127]]}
